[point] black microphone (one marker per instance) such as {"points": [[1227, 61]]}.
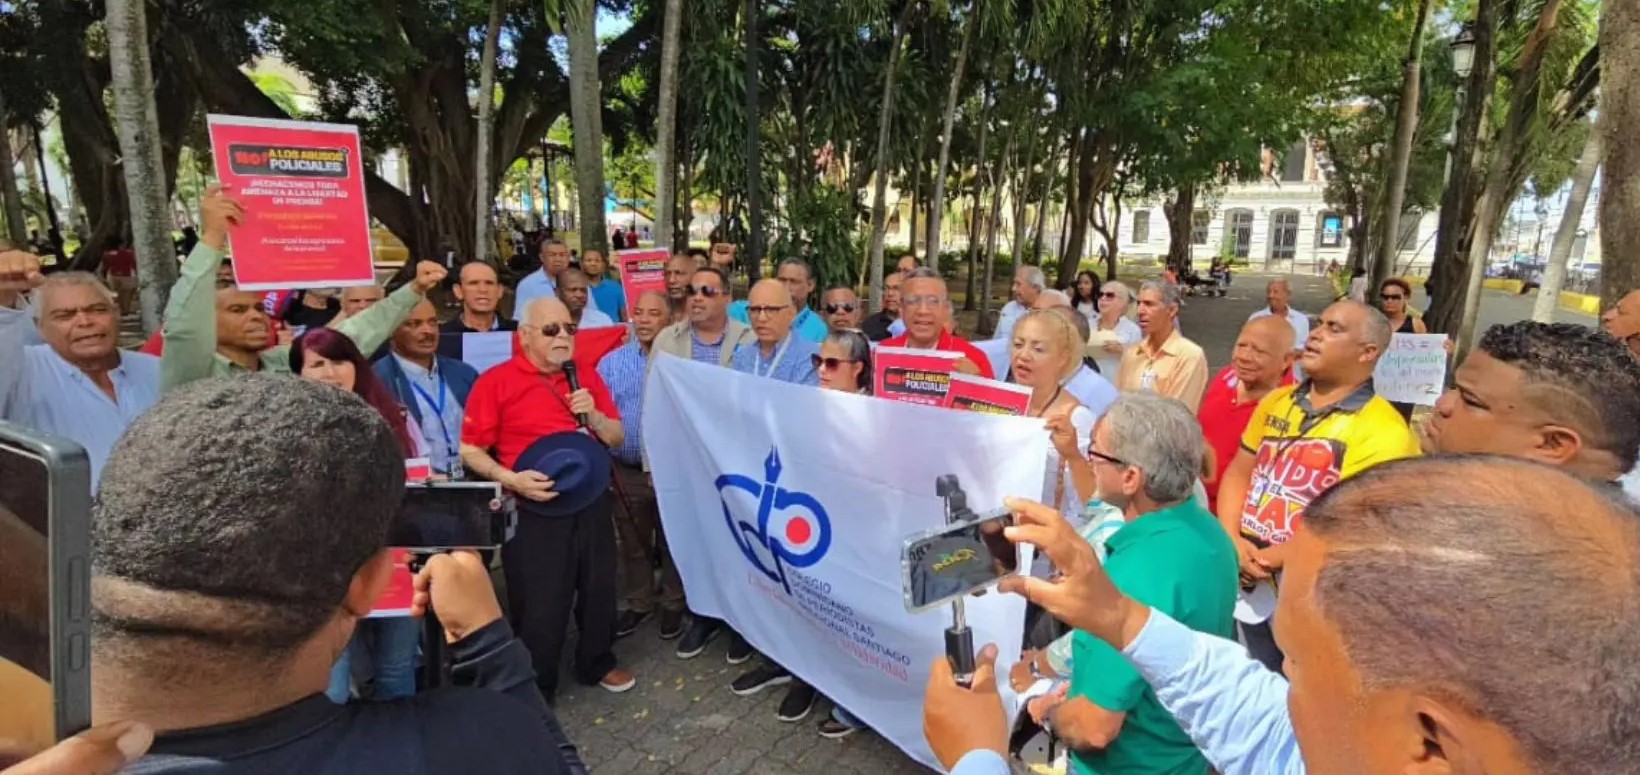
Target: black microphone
{"points": [[574, 385]]}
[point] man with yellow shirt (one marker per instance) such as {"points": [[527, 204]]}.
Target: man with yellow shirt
{"points": [[1302, 440]]}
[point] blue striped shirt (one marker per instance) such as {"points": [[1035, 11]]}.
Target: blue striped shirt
{"points": [[701, 352], [790, 361], [623, 372]]}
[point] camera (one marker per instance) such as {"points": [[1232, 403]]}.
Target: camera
{"points": [[441, 516]]}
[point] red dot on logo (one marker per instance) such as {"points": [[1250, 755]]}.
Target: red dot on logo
{"points": [[798, 532]]}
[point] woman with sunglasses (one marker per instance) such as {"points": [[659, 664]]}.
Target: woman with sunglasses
{"points": [[1395, 299], [328, 356], [1113, 330], [844, 362]]}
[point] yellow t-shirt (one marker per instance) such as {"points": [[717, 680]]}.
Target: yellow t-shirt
{"points": [[1299, 455]]}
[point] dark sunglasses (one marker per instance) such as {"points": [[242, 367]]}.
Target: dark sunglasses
{"points": [[832, 309], [1391, 297], [704, 290], [1107, 294], [552, 329], [830, 364]]}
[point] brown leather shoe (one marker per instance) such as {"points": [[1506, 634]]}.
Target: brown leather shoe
{"points": [[618, 681]]}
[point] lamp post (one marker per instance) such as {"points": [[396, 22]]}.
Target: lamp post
{"points": [[1463, 62]]}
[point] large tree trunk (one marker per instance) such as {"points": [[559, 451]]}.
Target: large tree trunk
{"points": [[1449, 270], [1042, 212], [586, 120], [952, 95], [1619, 115], [16, 228], [1406, 126], [1523, 100], [482, 163], [666, 124], [1554, 276], [879, 170], [141, 157], [968, 301], [1181, 222], [752, 10], [985, 327]]}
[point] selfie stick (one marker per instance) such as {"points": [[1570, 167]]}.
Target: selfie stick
{"points": [[959, 639], [433, 648]]}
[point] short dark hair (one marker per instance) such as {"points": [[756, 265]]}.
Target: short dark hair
{"points": [[246, 504], [699, 254], [1512, 595], [842, 287], [808, 271], [1582, 377], [723, 279]]}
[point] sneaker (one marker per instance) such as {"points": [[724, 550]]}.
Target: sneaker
{"points": [[627, 622], [798, 702], [618, 681], [700, 633], [832, 729], [760, 678], [739, 650], [671, 624]]}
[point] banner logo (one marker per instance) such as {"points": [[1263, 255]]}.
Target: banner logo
{"points": [[791, 528]]}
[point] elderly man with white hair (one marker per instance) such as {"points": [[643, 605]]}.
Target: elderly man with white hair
{"points": [[1029, 282], [62, 371], [1277, 294]]}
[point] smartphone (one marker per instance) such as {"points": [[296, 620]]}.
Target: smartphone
{"points": [[437, 516], [45, 588], [951, 562]]}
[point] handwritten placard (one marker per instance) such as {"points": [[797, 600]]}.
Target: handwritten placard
{"points": [[1413, 371]]}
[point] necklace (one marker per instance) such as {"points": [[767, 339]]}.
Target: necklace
{"points": [[1055, 397]]}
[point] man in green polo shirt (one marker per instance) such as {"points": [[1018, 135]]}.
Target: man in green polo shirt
{"points": [[1172, 556]]}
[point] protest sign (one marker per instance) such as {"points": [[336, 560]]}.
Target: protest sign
{"points": [[642, 271], [395, 600], [978, 394], [1413, 370], [913, 376], [792, 535], [306, 222]]}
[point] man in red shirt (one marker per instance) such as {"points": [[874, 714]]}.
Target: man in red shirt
{"points": [[925, 304], [119, 264], [1261, 362], [552, 563]]}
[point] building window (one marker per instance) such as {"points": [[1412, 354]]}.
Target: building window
{"points": [[1408, 226], [1283, 235], [1293, 164], [1198, 226], [1238, 232], [1329, 230], [1141, 227]]}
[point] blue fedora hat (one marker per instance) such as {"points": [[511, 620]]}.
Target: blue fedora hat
{"points": [[578, 466]]}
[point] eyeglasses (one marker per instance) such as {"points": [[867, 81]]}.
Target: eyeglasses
{"points": [[1107, 294], [553, 329], [829, 364], [1094, 454], [764, 310], [832, 309], [1391, 297], [922, 301], [707, 291]]}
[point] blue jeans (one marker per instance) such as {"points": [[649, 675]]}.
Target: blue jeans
{"points": [[391, 644], [847, 719]]}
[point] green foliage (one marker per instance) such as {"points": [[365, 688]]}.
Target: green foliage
{"points": [[820, 227]]}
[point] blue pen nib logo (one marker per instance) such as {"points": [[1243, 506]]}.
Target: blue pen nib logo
{"points": [[802, 531]]}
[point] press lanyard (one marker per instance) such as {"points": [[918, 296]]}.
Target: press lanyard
{"points": [[778, 355], [438, 407]]}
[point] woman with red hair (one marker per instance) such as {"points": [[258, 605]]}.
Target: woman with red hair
{"points": [[328, 356]]}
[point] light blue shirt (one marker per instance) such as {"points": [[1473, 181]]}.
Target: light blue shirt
{"points": [[1092, 390], [623, 372], [41, 391], [807, 324], [790, 361], [1233, 709], [534, 285], [440, 414]]}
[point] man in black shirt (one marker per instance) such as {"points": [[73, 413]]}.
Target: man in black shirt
{"points": [[238, 537], [876, 327], [479, 290]]}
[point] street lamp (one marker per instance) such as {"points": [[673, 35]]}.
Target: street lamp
{"points": [[1463, 51]]}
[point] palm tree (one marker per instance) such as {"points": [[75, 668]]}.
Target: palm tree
{"points": [[586, 121], [137, 121], [666, 129], [482, 163]]}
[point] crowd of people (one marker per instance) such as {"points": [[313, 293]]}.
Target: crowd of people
{"points": [[1207, 537]]}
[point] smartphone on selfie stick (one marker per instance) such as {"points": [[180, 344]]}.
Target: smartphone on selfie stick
{"points": [[947, 564], [45, 587]]}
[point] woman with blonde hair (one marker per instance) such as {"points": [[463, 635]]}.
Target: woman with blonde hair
{"points": [[1113, 329], [1045, 352]]}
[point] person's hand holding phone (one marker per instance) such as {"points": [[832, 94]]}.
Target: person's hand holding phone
{"points": [[958, 719], [1082, 596], [456, 585]]}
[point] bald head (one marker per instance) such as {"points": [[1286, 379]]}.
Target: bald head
{"points": [[1276, 294], [769, 291], [545, 309], [1345, 348], [1527, 624], [771, 309], [1273, 331]]}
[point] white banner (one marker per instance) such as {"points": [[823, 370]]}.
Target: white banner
{"points": [[785, 509]]}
